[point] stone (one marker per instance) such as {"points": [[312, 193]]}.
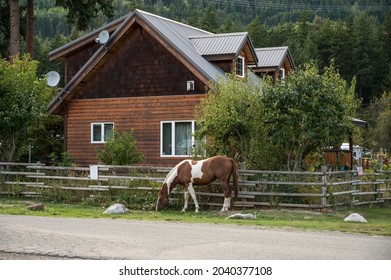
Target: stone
{"points": [[247, 216], [116, 208], [36, 207], [355, 218]]}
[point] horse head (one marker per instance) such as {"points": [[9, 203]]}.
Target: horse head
{"points": [[163, 198]]}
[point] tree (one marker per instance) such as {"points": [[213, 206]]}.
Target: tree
{"points": [[209, 20], [386, 35], [228, 115], [4, 28], [14, 47], [308, 111], [258, 33], [23, 99], [378, 115], [120, 149], [81, 12], [365, 54], [30, 27]]}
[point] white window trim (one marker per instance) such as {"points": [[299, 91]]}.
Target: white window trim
{"points": [[282, 75], [102, 124], [173, 146], [243, 68]]}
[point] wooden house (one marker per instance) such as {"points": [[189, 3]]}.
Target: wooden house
{"points": [[148, 76], [276, 62]]}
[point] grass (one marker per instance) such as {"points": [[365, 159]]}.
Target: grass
{"points": [[379, 218]]}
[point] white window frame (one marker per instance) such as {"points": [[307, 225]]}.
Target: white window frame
{"points": [[281, 74], [173, 144], [242, 68], [102, 136]]}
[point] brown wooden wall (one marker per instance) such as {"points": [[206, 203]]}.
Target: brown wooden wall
{"points": [[140, 66], [143, 114], [76, 60]]}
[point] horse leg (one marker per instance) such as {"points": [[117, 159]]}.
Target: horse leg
{"points": [[186, 196], [227, 196], [193, 196], [226, 204]]}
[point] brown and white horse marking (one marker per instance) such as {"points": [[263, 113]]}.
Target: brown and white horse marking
{"points": [[203, 172]]}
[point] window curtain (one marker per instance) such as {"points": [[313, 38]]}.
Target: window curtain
{"points": [[183, 138], [108, 131], [167, 139]]}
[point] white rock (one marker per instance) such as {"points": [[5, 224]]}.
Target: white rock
{"points": [[247, 216], [355, 218], [116, 208]]}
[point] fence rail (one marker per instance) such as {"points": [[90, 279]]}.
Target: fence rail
{"points": [[256, 187]]}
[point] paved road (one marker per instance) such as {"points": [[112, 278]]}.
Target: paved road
{"points": [[45, 237]]}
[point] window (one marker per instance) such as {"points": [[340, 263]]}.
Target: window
{"points": [[100, 132], [281, 74], [190, 86], [240, 66], [177, 138]]}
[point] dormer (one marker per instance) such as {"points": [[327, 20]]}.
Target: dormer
{"points": [[276, 62], [232, 52]]}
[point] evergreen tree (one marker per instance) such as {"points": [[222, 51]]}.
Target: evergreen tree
{"points": [[209, 20], [194, 19], [258, 33], [386, 38], [365, 53]]}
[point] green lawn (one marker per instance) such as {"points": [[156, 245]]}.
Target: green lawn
{"points": [[379, 218]]}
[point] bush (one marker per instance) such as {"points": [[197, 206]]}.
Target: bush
{"points": [[120, 149]]}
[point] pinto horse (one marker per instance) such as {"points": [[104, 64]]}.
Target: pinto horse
{"points": [[203, 172]]}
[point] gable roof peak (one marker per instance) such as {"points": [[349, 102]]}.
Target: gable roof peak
{"points": [[144, 13], [212, 35]]}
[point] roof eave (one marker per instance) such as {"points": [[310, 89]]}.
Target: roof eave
{"points": [[252, 49], [83, 72], [206, 75], [72, 46]]}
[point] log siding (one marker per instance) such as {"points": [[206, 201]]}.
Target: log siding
{"points": [[143, 114]]}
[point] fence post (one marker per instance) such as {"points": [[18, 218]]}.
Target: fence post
{"points": [[94, 172], [323, 200]]}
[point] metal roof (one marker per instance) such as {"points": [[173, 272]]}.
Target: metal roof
{"points": [[218, 44], [178, 34], [271, 57]]}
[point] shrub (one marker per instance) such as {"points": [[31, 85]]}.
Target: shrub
{"points": [[120, 149]]}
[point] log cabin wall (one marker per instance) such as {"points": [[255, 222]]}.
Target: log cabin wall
{"points": [[143, 114]]}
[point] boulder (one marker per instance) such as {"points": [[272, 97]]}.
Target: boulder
{"points": [[116, 208], [36, 207], [247, 216], [355, 218]]}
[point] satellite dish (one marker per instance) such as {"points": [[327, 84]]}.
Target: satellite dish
{"points": [[53, 78], [103, 37]]}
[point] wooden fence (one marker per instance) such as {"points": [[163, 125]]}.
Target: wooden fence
{"points": [[257, 188]]}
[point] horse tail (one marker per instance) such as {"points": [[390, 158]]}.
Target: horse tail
{"points": [[235, 176]]}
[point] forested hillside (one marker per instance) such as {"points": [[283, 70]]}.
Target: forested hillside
{"points": [[355, 34], [229, 14]]}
